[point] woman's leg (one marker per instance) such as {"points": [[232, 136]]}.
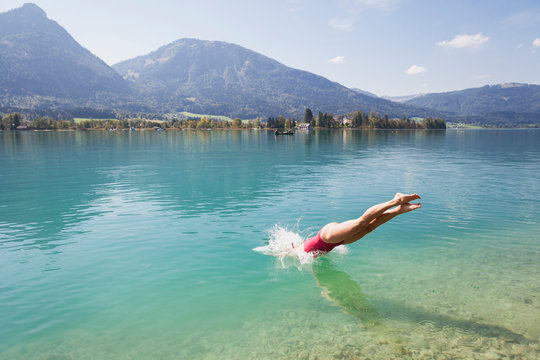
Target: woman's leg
{"points": [[392, 213], [377, 210], [352, 230]]}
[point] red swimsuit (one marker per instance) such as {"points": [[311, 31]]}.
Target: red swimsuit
{"points": [[317, 244]]}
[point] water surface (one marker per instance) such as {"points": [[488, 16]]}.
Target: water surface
{"points": [[140, 245]]}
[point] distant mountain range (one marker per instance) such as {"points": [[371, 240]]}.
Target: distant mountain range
{"points": [[43, 69], [401, 99], [513, 103]]}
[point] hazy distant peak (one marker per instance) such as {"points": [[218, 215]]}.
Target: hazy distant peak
{"points": [[511, 85], [509, 98], [214, 47], [31, 7], [364, 92], [403, 98], [28, 9], [38, 57], [25, 19], [206, 51]]}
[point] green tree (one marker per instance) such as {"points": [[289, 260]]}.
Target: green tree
{"points": [[440, 123], [365, 121], [11, 121], [320, 120], [204, 123], [308, 116], [430, 123], [41, 123], [357, 119], [281, 121], [237, 123], [330, 121]]}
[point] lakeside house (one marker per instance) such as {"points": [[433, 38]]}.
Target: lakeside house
{"points": [[304, 126], [343, 120]]}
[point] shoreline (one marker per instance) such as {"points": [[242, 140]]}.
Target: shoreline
{"points": [[263, 129]]}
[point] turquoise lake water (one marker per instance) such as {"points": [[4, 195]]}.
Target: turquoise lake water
{"points": [[140, 245]]}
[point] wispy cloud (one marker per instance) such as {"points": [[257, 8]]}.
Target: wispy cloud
{"points": [[355, 7], [337, 60], [341, 24], [524, 19], [292, 6], [536, 42], [415, 70], [382, 4], [462, 41]]}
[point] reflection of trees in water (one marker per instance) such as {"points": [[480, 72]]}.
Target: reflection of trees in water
{"points": [[341, 290]]}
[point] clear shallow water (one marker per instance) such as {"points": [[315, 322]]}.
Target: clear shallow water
{"points": [[139, 245]]}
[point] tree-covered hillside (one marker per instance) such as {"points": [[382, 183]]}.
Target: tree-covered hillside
{"points": [[491, 104], [41, 64], [221, 78]]}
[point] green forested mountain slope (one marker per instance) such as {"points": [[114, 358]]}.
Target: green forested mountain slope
{"points": [[40, 63], [222, 78], [490, 103]]}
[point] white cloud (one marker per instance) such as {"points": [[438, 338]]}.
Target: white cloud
{"points": [[415, 70], [536, 42], [461, 41], [342, 24], [337, 60]]}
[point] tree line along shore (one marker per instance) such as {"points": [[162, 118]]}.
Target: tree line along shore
{"points": [[358, 119]]}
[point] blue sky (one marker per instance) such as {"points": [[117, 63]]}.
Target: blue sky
{"points": [[388, 47]]}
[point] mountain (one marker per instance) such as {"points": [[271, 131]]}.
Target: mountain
{"points": [[215, 77], [363, 92], [42, 68], [42, 65], [401, 99], [504, 103]]}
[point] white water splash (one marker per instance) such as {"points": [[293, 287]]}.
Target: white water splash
{"points": [[284, 243]]}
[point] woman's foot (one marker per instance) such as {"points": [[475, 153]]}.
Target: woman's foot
{"points": [[405, 198], [403, 208]]}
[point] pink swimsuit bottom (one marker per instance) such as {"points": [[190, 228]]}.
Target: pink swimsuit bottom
{"points": [[317, 244]]}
